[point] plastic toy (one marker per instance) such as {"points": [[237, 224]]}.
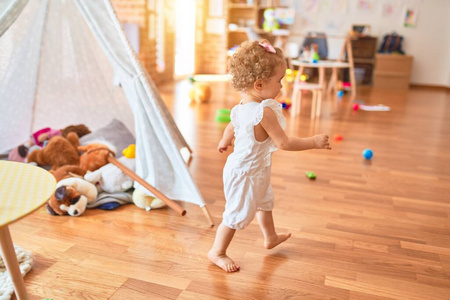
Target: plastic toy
{"points": [[356, 107], [314, 55], [270, 22], [340, 93], [304, 77], [286, 104], [367, 153], [200, 92], [130, 151], [223, 115], [310, 175], [338, 137], [290, 75], [346, 86]]}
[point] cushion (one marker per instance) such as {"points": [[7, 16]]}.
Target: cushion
{"points": [[115, 132]]}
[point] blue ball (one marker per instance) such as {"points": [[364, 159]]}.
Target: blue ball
{"points": [[367, 153], [340, 93]]}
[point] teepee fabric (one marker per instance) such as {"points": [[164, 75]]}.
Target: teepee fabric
{"points": [[83, 51]]}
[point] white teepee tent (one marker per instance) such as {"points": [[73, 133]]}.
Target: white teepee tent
{"points": [[66, 62]]}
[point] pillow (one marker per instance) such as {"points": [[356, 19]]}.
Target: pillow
{"points": [[115, 132]]}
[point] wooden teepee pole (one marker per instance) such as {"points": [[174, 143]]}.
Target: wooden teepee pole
{"points": [[149, 187]]}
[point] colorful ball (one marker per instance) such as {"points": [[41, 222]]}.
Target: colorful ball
{"points": [[367, 153], [340, 93], [356, 107], [310, 175], [338, 137]]}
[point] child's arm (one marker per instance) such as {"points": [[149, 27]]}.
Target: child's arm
{"points": [[227, 137], [270, 124]]}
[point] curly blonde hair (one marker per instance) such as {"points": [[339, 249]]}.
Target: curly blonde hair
{"points": [[251, 62]]}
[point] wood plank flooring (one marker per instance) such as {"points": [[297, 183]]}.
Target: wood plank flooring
{"points": [[376, 229]]}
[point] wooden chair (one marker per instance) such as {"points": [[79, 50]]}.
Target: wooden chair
{"points": [[346, 48], [316, 104]]}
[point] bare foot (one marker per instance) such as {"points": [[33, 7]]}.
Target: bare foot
{"points": [[276, 240], [223, 262]]}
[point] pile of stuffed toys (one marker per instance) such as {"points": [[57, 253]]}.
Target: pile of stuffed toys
{"points": [[83, 174]]}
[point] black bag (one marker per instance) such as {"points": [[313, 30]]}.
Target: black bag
{"points": [[392, 43]]}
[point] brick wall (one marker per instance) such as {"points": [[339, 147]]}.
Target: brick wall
{"points": [[210, 53], [139, 12]]}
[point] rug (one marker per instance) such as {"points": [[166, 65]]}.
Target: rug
{"points": [[25, 260]]}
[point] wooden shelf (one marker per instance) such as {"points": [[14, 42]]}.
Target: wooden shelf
{"points": [[241, 6]]}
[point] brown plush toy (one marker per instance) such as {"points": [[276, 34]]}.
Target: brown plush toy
{"points": [[64, 196], [58, 152], [95, 156], [80, 130], [68, 171]]}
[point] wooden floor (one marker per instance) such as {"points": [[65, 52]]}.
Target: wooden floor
{"points": [[376, 229]]}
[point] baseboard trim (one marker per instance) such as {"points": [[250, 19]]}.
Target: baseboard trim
{"points": [[431, 87]]}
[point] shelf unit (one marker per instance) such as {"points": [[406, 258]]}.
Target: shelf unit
{"points": [[240, 16], [364, 49], [244, 14]]}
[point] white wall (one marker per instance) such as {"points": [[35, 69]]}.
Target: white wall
{"points": [[428, 42]]}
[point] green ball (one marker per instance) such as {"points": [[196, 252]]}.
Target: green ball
{"points": [[310, 175]]}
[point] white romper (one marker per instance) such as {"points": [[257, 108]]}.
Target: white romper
{"points": [[246, 175]]}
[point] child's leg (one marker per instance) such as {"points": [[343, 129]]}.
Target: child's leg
{"points": [[271, 238], [217, 254]]}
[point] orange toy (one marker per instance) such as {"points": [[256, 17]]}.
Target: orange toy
{"points": [[95, 156], [59, 152]]}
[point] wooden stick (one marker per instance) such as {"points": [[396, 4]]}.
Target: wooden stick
{"points": [[149, 187], [208, 215]]}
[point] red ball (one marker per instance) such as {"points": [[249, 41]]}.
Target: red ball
{"points": [[356, 107], [338, 137]]}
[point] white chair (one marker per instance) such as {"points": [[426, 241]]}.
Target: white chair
{"points": [[316, 104]]}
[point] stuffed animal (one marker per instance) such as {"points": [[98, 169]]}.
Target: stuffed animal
{"points": [[95, 155], [68, 171], [80, 130], [71, 197], [200, 92], [66, 200], [59, 152], [143, 200], [111, 179], [41, 137]]}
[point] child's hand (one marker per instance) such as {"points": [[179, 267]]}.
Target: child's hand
{"points": [[223, 146], [321, 141]]}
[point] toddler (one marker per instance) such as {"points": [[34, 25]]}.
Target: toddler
{"points": [[257, 123]]}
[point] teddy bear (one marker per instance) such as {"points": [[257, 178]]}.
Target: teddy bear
{"points": [[111, 179], [71, 197], [95, 155], [59, 151], [40, 138], [143, 200], [68, 171]]}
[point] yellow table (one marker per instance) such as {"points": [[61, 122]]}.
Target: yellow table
{"points": [[23, 189]]}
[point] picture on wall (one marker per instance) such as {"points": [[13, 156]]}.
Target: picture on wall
{"points": [[410, 17]]}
